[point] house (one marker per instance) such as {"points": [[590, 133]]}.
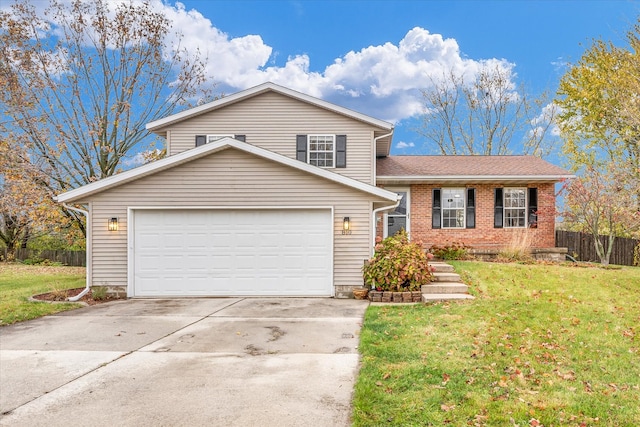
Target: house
{"points": [[276, 193]]}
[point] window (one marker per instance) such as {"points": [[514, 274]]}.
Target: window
{"points": [[205, 139], [325, 151], [211, 138], [515, 207], [453, 208], [397, 220], [322, 150]]}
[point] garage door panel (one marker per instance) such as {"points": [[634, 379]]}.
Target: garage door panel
{"points": [[232, 252]]}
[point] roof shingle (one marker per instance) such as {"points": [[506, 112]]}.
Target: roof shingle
{"points": [[470, 167]]}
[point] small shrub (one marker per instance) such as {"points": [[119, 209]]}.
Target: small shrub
{"points": [[58, 294], [32, 261], [99, 293], [398, 265], [636, 255], [454, 250], [41, 261], [518, 249]]}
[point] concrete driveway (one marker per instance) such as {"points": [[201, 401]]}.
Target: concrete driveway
{"points": [[179, 362]]}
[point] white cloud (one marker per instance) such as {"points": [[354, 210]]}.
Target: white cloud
{"points": [[547, 121], [383, 81], [401, 145], [137, 160]]}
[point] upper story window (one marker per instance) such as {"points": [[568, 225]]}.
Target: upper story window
{"points": [[515, 207], [205, 139], [211, 138], [325, 151], [453, 207], [322, 150]]}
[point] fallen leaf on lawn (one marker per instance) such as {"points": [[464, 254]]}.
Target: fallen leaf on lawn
{"points": [[445, 378], [447, 408], [569, 376], [534, 423], [386, 376]]}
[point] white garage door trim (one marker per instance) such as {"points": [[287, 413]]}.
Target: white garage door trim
{"points": [[131, 244]]}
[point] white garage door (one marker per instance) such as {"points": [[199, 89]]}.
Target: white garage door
{"points": [[232, 252]]}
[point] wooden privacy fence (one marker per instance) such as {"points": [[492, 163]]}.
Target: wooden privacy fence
{"points": [[582, 245], [71, 258]]}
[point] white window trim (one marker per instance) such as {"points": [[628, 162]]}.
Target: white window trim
{"points": [[215, 137], [505, 208], [464, 208], [333, 152], [385, 219]]}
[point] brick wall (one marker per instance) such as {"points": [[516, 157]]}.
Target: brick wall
{"points": [[484, 236]]}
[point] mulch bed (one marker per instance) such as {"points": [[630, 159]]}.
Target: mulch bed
{"points": [[61, 296]]}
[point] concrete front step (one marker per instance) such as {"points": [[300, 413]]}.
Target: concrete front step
{"points": [[446, 277], [442, 267], [445, 288], [445, 297]]}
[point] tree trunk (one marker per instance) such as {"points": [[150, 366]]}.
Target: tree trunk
{"points": [[604, 255]]}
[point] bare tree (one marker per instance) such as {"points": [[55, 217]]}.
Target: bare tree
{"points": [[485, 115], [80, 80]]}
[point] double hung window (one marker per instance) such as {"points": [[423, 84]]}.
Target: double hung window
{"points": [[515, 207], [453, 208], [322, 150]]}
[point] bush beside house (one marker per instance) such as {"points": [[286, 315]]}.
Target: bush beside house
{"points": [[398, 265]]}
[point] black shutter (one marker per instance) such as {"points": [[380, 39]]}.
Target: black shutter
{"points": [[240, 138], [532, 213], [201, 140], [471, 208], [498, 210], [436, 220], [301, 148], [341, 151]]}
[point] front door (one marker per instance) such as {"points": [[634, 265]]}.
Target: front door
{"points": [[399, 218]]}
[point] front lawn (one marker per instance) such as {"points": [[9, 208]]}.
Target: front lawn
{"points": [[541, 345], [18, 282]]}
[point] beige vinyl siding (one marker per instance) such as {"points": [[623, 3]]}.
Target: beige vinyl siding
{"points": [[272, 121], [235, 179]]}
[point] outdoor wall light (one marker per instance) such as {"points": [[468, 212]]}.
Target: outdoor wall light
{"points": [[113, 224], [346, 225]]}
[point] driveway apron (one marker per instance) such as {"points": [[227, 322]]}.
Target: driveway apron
{"points": [[179, 362]]}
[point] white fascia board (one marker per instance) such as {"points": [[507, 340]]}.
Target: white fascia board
{"points": [[467, 178], [158, 124], [207, 149]]}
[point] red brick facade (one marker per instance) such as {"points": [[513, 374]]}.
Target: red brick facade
{"points": [[484, 235]]}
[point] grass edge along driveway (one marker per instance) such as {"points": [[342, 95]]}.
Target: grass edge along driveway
{"points": [[18, 282], [541, 345]]}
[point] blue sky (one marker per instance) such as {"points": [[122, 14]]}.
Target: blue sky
{"points": [[375, 56], [316, 46]]}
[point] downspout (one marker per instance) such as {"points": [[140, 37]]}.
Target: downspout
{"points": [[374, 216], [88, 270]]}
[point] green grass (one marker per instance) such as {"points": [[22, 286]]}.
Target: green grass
{"points": [[18, 282], [541, 344]]}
